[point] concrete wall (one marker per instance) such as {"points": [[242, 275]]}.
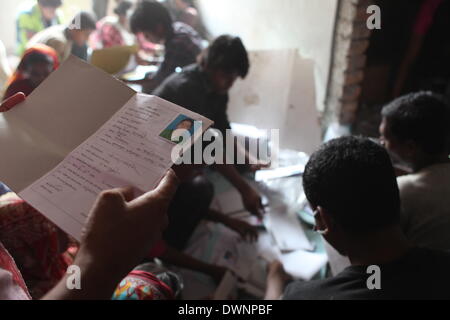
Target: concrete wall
{"points": [[306, 25]]}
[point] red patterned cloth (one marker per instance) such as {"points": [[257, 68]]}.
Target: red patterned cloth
{"points": [[142, 285], [38, 247], [12, 285]]}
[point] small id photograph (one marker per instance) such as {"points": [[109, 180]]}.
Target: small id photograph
{"points": [[175, 130]]}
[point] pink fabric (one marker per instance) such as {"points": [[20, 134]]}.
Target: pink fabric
{"points": [[12, 285], [144, 44], [37, 245]]}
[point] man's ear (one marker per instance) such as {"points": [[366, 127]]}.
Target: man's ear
{"points": [[323, 220]]}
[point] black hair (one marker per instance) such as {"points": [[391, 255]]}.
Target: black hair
{"points": [[227, 54], [148, 15], [84, 21], [187, 119], [123, 7], [353, 179], [422, 117], [35, 58], [50, 3]]}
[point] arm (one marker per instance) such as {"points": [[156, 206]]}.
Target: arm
{"points": [[245, 230], [276, 281], [250, 198], [254, 163]]}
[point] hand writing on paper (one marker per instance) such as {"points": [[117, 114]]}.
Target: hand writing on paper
{"points": [[11, 102]]}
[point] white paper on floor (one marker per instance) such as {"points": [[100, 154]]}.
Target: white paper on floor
{"points": [[302, 264], [286, 229]]}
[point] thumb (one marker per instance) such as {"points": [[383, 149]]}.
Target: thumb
{"points": [[168, 185], [165, 190]]}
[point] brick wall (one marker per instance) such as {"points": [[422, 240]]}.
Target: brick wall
{"points": [[351, 41]]}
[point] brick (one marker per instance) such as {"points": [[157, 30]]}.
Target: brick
{"points": [[361, 14], [353, 77], [350, 107], [347, 73], [357, 62], [351, 93], [347, 11], [360, 31], [347, 118], [365, 3], [358, 47], [345, 29]]}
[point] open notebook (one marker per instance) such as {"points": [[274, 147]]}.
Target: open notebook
{"points": [[82, 132]]}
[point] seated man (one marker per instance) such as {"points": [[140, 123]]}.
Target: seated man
{"points": [[415, 129], [67, 40], [41, 15], [182, 43], [350, 184], [203, 88]]}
